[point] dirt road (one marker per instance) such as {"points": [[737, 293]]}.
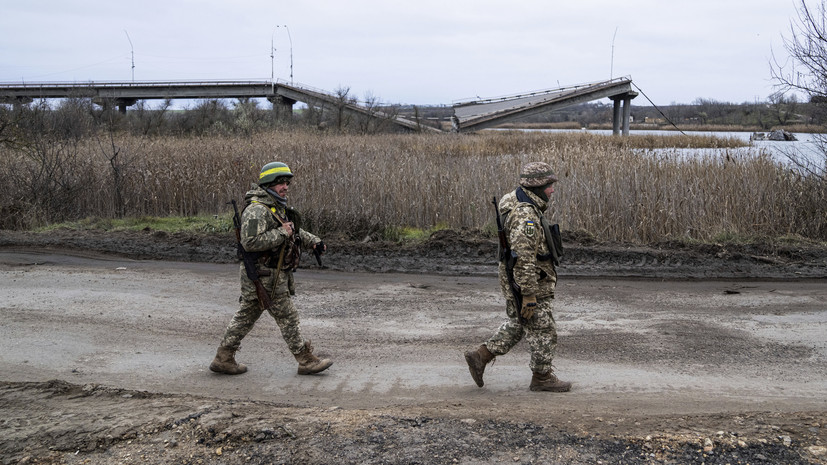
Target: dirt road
{"points": [[104, 360]]}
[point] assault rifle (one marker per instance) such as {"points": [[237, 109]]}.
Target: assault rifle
{"points": [[508, 257], [250, 260], [556, 244], [295, 217]]}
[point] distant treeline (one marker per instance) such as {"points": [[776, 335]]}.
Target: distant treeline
{"points": [[248, 116]]}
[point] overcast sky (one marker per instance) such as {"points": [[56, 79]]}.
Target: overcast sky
{"points": [[419, 52]]}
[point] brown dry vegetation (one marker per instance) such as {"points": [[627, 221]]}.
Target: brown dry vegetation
{"points": [[568, 125], [611, 188]]}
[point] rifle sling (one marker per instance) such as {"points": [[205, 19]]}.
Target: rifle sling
{"points": [[554, 253]]}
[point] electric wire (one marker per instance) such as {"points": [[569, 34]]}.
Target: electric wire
{"points": [[658, 109]]}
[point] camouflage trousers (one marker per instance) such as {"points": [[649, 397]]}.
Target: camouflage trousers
{"points": [[282, 310], [540, 332]]}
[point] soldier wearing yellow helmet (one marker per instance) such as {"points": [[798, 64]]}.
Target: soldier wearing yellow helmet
{"points": [[267, 231]]}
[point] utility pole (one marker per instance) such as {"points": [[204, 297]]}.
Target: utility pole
{"points": [[133, 54], [272, 59], [612, 66], [291, 53]]}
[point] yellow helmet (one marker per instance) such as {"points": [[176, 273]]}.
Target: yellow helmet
{"points": [[272, 171]]}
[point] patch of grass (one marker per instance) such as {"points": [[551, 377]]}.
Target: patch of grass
{"points": [[796, 239], [791, 239], [731, 237], [410, 234]]}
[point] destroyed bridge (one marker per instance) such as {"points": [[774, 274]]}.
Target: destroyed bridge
{"points": [[469, 115]]}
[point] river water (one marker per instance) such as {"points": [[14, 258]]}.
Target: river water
{"points": [[805, 150]]}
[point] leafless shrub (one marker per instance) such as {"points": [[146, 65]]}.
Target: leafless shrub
{"points": [[146, 120], [208, 116], [377, 117], [248, 117], [44, 171]]}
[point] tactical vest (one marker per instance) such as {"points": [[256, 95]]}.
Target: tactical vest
{"points": [[553, 240], [292, 246]]}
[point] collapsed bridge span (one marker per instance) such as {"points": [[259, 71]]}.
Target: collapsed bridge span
{"points": [[473, 115]]}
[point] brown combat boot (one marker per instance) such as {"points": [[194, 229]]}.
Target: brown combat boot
{"points": [[477, 359], [548, 382], [309, 363], [224, 362]]}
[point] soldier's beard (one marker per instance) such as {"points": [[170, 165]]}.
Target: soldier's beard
{"points": [[279, 199]]}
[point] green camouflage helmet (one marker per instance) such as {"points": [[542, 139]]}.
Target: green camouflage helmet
{"points": [[537, 174], [272, 171]]}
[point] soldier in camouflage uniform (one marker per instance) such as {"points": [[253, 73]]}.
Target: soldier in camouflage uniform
{"points": [[265, 227], [528, 235]]}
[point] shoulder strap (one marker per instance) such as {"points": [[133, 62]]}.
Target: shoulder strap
{"points": [[523, 197], [553, 241], [272, 210]]}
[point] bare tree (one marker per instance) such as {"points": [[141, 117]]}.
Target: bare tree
{"points": [[343, 100], [806, 69], [807, 47], [783, 106], [148, 120], [119, 164], [10, 133], [367, 121], [378, 117]]}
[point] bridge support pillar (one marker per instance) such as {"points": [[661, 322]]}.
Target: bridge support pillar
{"points": [[616, 116], [121, 103], [626, 100], [282, 106]]}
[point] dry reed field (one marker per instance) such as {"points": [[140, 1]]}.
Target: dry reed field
{"points": [[615, 189]]}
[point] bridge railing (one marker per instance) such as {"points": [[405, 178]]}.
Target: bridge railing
{"points": [[329, 94], [536, 93], [104, 84]]}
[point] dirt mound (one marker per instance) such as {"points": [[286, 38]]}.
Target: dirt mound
{"points": [[97, 424], [463, 252]]}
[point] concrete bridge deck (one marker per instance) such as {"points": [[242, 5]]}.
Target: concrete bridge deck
{"points": [[468, 116], [473, 115], [125, 94]]}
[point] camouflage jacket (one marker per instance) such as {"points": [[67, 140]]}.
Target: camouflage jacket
{"points": [[262, 232], [522, 221]]}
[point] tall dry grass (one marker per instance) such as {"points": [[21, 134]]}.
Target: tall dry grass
{"points": [[357, 184]]}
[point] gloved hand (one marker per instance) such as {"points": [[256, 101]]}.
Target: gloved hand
{"points": [[318, 250], [529, 305]]}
